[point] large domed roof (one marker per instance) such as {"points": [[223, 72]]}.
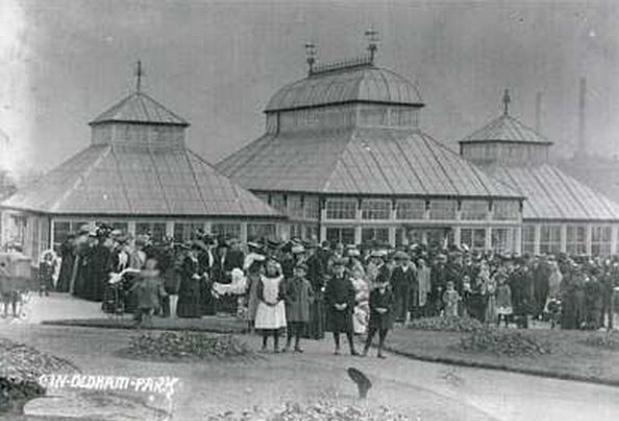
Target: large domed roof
{"points": [[346, 83]]}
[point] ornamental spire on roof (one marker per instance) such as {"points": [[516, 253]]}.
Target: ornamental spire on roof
{"points": [[372, 37], [310, 51], [139, 73], [506, 101]]}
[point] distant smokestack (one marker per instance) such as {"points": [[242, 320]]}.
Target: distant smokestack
{"points": [[581, 148], [538, 112]]}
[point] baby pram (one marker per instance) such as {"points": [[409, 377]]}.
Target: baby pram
{"points": [[117, 299]]}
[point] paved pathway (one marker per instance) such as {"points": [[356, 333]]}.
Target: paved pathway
{"points": [[425, 391]]}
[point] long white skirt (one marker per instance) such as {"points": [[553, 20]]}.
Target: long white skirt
{"points": [[268, 317]]}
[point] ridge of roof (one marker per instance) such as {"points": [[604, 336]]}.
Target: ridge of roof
{"points": [[506, 128], [139, 108], [362, 83]]}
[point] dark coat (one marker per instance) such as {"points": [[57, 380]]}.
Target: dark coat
{"points": [[541, 286], [520, 283], [438, 281], [378, 300], [383, 275], [67, 254], [403, 281], [189, 291], [315, 272], [232, 259], [210, 265], [298, 296], [339, 291]]}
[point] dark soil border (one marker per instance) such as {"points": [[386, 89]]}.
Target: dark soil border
{"points": [[128, 324]]}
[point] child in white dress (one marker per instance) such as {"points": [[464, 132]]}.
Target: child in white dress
{"points": [[271, 311]]}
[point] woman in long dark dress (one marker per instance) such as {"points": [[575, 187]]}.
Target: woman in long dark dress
{"points": [[189, 298], [315, 274], [67, 254]]}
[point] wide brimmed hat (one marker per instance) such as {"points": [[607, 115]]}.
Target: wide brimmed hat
{"points": [[379, 254], [274, 243], [297, 248], [302, 266], [252, 245], [340, 261], [353, 251], [400, 255]]}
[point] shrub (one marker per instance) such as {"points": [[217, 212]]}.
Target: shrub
{"points": [[608, 340], [187, 346], [319, 411], [20, 368], [446, 324], [504, 342]]}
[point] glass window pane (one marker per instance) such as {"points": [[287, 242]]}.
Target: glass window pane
{"points": [[506, 210], [61, 232], [341, 235], [311, 207], [230, 230], [410, 209], [443, 209], [474, 209], [375, 234], [376, 209], [255, 231], [341, 209]]}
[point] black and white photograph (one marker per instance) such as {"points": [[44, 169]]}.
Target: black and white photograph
{"points": [[333, 210]]}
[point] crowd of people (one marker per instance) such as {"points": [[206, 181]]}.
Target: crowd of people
{"points": [[308, 288]]}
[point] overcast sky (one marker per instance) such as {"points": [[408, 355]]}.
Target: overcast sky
{"points": [[217, 64]]}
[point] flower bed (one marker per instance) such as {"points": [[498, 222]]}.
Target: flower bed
{"points": [[608, 340], [187, 346], [20, 368], [446, 324], [319, 411], [504, 342]]}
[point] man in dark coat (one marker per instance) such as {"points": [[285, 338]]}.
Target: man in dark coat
{"points": [[520, 282], [209, 260], [316, 276], [189, 292], [541, 276], [233, 258], [403, 280], [381, 316], [438, 285], [340, 302], [67, 255], [573, 299]]}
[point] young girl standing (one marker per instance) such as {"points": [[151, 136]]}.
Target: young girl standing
{"points": [[271, 311]]}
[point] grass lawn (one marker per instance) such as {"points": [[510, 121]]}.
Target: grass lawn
{"points": [[570, 357]]}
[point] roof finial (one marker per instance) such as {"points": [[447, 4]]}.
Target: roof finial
{"points": [[506, 101], [310, 51], [139, 73], [372, 37]]}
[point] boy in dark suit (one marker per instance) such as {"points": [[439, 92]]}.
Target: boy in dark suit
{"points": [[381, 316]]}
